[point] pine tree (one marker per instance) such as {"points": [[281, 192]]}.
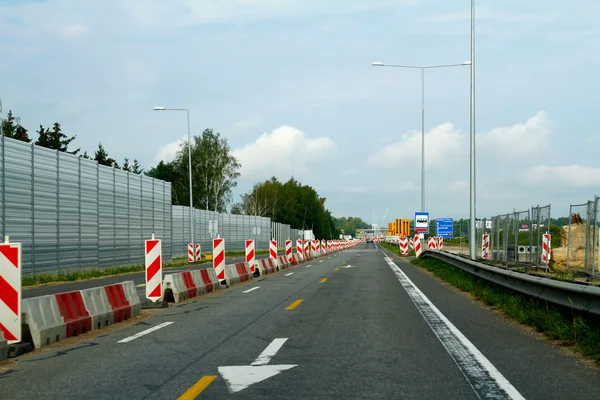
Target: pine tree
{"points": [[136, 168], [102, 157], [55, 139]]}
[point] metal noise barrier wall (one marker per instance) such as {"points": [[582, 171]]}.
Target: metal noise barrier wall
{"points": [[70, 213], [571, 295]]}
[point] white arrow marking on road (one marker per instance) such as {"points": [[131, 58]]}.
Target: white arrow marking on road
{"points": [[249, 290], [291, 273], [240, 377], [320, 260], [308, 266], [349, 266]]}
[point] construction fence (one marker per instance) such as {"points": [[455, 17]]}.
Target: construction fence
{"points": [[71, 214]]}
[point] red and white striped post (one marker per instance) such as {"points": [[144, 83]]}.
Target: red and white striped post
{"points": [[300, 248], [219, 258], [403, 243], [440, 243], [288, 250], [10, 291], [306, 248], [273, 249], [485, 246], [250, 254], [191, 252], [198, 252], [432, 243], [153, 261], [323, 247], [418, 245], [546, 248]]}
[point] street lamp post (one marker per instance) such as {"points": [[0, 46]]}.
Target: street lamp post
{"points": [[422, 68], [189, 165], [472, 214]]}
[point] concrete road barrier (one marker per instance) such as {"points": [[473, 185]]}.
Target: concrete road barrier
{"points": [[96, 301], [52, 318], [3, 347]]}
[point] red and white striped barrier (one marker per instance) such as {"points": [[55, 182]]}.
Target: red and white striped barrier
{"points": [[198, 252], [182, 286], [237, 273], [323, 247], [288, 250], [418, 245], [307, 254], [432, 243], [411, 243], [546, 248], [219, 258], [250, 254], [403, 243], [10, 291], [266, 266], [273, 249], [55, 317], [440, 243], [153, 261], [300, 249], [485, 246], [284, 263]]}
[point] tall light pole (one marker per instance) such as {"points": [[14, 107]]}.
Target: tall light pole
{"points": [[472, 213], [189, 165], [422, 68]]}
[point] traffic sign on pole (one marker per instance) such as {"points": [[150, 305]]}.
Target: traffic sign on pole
{"points": [[445, 227], [421, 222]]}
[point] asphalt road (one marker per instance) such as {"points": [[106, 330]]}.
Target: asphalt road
{"points": [[371, 330], [137, 277]]}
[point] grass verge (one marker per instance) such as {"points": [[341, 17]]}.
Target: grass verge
{"points": [[106, 272], [570, 327]]}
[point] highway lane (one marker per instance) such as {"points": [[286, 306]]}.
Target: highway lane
{"points": [[137, 277], [351, 326]]}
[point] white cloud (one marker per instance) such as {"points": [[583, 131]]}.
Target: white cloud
{"points": [[283, 152], [574, 176], [529, 139], [442, 144], [445, 145], [168, 152]]}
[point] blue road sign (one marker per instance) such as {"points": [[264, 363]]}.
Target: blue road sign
{"points": [[422, 222], [445, 227]]}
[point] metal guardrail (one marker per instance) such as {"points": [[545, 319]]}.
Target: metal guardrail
{"points": [[572, 295]]}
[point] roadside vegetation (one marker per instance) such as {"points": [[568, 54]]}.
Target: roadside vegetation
{"points": [[569, 327]]}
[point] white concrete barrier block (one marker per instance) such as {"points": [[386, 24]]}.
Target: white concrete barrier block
{"points": [[42, 318], [96, 302], [132, 298]]}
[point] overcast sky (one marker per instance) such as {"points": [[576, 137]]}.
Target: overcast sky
{"points": [[291, 86]]}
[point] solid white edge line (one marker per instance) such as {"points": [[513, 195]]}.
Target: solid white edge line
{"points": [[496, 375], [147, 331], [249, 290], [269, 352], [291, 273]]}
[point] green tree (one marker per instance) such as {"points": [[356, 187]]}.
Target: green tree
{"points": [[289, 203], [136, 168], [12, 130], [101, 156], [55, 139]]}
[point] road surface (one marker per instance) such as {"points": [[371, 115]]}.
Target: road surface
{"points": [[353, 325]]}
